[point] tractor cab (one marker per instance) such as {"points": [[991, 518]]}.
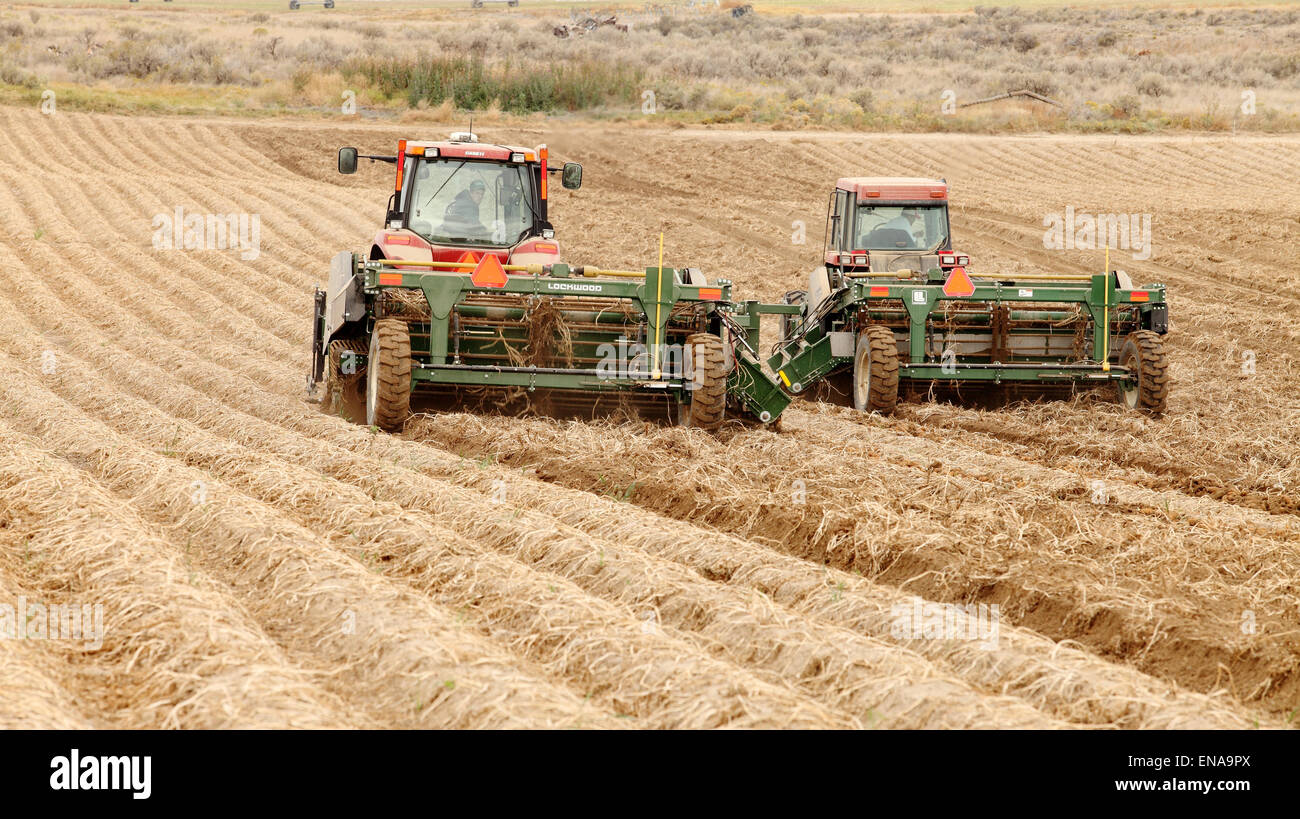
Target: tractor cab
{"points": [[462, 197], [887, 224]]}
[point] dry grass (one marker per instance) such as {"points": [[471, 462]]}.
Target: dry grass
{"points": [[1112, 68], [175, 651]]}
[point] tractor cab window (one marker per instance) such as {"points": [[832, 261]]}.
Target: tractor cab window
{"points": [[455, 201], [901, 227]]}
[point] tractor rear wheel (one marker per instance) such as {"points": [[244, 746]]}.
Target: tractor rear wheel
{"points": [[707, 407], [875, 371], [1144, 354], [388, 375], [344, 384]]}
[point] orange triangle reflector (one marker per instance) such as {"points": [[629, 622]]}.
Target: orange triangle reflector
{"points": [[467, 257], [958, 283], [489, 273]]}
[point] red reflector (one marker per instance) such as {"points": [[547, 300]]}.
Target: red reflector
{"points": [[543, 153], [711, 293], [958, 283], [1139, 295], [879, 291], [401, 162], [390, 279], [489, 273], [398, 239]]}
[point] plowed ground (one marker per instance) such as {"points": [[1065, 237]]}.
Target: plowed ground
{"points": [[263, 564]]}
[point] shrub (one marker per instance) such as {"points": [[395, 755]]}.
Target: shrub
{"points": [[10, 75], [132, 58], [1025, 41], [1126, 106], [519, 88], [1041, 83], [1152, 84], [1284, 66]]}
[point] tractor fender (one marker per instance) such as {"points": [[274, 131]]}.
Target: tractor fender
{"points": [[819, 287], [345, 296]]}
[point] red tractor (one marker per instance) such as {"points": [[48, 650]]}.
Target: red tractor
{"points": [[887, 223], [881, 224], [462, 196]]}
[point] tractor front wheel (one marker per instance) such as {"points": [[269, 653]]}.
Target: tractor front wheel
{"points": [[1143, 354], [388, 375], [875, 371], [707, 407]]}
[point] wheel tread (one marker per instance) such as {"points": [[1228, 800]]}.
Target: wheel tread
{"points": [[392, 345], [708, 403]]}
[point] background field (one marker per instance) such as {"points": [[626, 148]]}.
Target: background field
{"points": [[263, 564], [1110, 67]]}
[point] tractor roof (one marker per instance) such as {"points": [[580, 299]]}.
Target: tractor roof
{"points": [[470, 149], [894, 187]]}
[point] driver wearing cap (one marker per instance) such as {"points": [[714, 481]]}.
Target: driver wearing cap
{"points": [[463, 212]]}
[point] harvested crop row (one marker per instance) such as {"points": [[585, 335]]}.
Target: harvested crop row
{"points": [[403, 660], [154, 319], [135, 368], [216, 385], [861, 511], [851, 673], [1226, 559], [257, 194], [603, 649], [1236, 470], [132, 215], [1114, 687], [156, 146], [176, 652], [371, 442], [30, 700], [228, 322], [34, 674]]}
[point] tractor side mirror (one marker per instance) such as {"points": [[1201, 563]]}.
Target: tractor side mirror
{"points": [[571, 176], [347, 160]]}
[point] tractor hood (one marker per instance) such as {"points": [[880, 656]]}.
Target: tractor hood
{"points": [[407, 245], [885, 261]]}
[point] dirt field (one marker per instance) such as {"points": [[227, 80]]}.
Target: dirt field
{"points": [[262, 564]]}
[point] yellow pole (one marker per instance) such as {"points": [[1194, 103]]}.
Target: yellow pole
{"points": [[1105, 319], [659, 305]]}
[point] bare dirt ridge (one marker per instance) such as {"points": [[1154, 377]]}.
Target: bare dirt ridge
{"points": [[261, 563]]}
